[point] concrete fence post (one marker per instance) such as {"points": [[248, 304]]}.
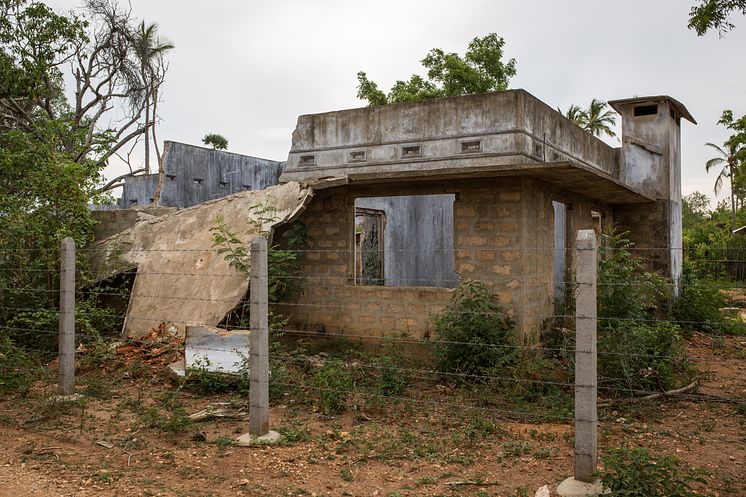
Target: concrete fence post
{"points": [[259, 340], [67, 317], [586, 377]]}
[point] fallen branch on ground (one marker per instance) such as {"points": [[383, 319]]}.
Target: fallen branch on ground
{"points": [[669, 393]]}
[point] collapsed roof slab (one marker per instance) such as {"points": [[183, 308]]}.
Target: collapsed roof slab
{"points": [[181, 278]]}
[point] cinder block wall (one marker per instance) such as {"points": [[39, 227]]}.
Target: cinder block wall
{"points": [[503, 236]]}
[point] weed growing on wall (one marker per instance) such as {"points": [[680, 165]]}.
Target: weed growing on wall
{"points": [[475, 335]]}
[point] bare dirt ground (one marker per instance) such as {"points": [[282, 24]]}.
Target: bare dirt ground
{"points": [[50, 448]]}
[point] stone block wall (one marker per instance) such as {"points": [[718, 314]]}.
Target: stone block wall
{"points": [[503, 236]]}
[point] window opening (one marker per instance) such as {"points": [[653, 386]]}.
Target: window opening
{"points": [[370, 226], [405, 240]]}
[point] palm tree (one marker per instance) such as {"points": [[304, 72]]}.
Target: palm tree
{"points": [[575, 114], [149, 50], [599, 120], [730, 158]]}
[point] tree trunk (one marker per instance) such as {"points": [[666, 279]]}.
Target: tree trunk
{"points": [[732, 201], [161, 177], [147, 132]]}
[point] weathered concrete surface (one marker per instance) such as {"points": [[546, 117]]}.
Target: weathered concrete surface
{"points": [[249, 440], [650, 161], [418, 240], [216, 350], [181, 278], [573, 488], [113, 221], [197, 174], [503, 128]]}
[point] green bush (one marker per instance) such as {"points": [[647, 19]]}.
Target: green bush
{"points": [[388, 379], [698, 306], [475, 335], [642, 356], [637, 350], [625, 290], [634, 473], [17, 368], [333, 385]]}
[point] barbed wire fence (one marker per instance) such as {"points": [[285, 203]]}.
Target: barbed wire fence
{"points": [[582, 353]]}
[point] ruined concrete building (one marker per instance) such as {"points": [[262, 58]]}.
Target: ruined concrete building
{"points": [[194, 175], [489, 187], [402, 202]]}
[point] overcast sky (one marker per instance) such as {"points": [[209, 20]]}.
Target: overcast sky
{"points": [[247, 69]]}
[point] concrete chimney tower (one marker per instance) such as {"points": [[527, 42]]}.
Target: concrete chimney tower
{"points": [[650, 161]]}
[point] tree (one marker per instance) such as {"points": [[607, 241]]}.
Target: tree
{"points": [[714, 14], [150, 50], [216, 141], [731, 159], [53, 148], [596, 119], [695, 208], [575, 114], [480, 70], [599, 120]]}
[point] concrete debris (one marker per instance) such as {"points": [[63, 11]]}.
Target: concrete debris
{"points": [[216, 350], [180, 276]]}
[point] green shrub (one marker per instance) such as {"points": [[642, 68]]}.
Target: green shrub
{"points": [[333, 384], [634, 473], [625, 290], [17, 369], [637, 350], [388, 379], [642, 356], [475, 335], [698, 306], [205, 382]]}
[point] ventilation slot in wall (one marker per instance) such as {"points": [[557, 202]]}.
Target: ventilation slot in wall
{"points": [[307, 160], [133, 201], [411, 151], [223, 184], [539, 150], [247, 187], [646, 110], [198, 181], [357, 156], [171, 176], [471, 146]]}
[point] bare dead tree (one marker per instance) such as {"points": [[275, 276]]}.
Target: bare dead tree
{"points": [[117, 65]]}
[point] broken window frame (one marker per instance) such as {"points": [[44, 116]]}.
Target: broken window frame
{"points": [[359, 278]]}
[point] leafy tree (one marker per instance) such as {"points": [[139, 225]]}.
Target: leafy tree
{"points": [[216, 141], [480, 70], [695, 209], [53, 147], [596, 119], [731, 158], [714, 14]]}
